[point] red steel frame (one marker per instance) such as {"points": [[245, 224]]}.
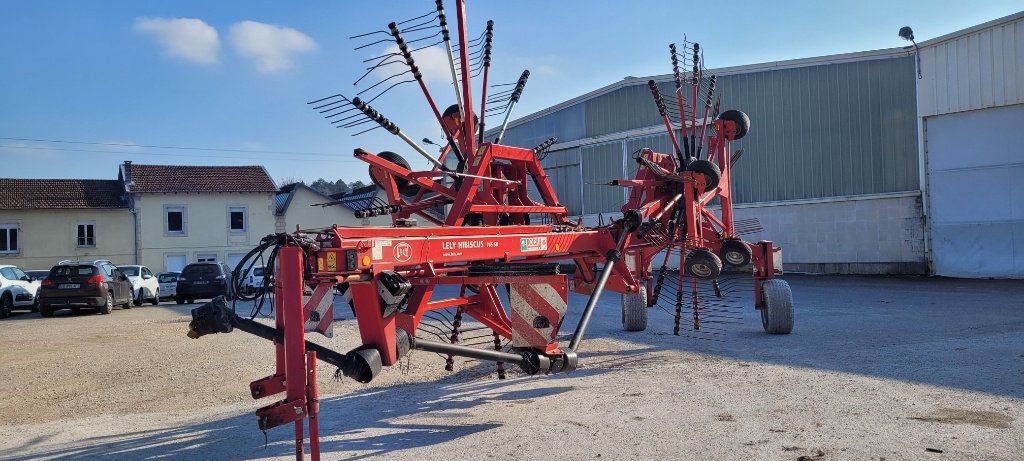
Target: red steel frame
{"points": [[433, 256]]}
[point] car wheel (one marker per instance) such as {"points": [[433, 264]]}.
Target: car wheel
{"points": [[35, 301], [45, 311], [6, 305], [190, 301], [138, 299], [108, 305], [156, 298]]}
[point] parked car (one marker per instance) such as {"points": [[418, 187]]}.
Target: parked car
{"points": [[145, 286], [18, 290], [84, 284], [203, 280], [253, 280], [168, 284]]}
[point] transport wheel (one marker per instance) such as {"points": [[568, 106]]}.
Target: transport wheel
{"points": [[108, 305], [703, 264], [741, 120], [179, 300], [138, 299], [712, 174], [777, 315], [404, 186], [35, 301], [45, 311], [6, 306], [156, 298], [735, 253], [634, 310]]}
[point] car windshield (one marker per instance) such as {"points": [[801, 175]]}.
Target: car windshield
{"points": [[196, 271], [67, 271], [164, 278], [258, 272], [130, 271]]}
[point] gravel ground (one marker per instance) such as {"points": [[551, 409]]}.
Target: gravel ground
{"points": [[876, 368]]}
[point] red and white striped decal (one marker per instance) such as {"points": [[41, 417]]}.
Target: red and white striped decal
{"points": [[318, 311], [530, 301]]}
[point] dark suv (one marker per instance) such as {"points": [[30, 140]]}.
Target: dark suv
{"points": [[84, 284], [203, 280]]}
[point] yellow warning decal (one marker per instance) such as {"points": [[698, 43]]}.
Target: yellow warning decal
{"points": [[332, 261], [320, 264]]}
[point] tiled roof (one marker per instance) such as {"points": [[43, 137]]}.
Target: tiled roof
{"points": [[22, 194], [182, 178]]}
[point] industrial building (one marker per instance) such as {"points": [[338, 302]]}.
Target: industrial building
{"points": [[853, 163]]}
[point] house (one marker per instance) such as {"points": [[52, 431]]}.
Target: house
{"points": [[44, 221], [187, 214], [301, 205]]}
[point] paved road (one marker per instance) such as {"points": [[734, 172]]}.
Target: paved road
{"points": [[875, 368]]}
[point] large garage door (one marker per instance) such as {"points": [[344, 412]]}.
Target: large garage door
{"points": [[234, 258], [976, 183]]}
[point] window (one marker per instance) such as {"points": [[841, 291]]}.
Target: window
{"points": [[87, 234], [175, 220], [8, 274], [236, 219], [9, 238], [206, 257]]}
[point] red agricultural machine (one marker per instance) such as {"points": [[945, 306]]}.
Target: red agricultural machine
{"points": [[486, 239]]}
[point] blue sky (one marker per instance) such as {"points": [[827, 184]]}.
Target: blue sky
{"points": [[118, 80]]}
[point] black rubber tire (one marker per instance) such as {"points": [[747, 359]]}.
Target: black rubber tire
{"points": [[45, 311], [404, 186], [108, 305], [156, 298], [712, 174], [777, 315], [703, 264], [35, 301], [137, 301], [634, 310], [735, 253], [191, 301], [741, 119], [6, 306], [179, 300]]}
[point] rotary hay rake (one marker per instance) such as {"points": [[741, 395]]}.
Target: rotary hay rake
{"points": [[486, 241]]}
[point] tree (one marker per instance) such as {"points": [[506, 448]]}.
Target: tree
{"points": [[340, 186], [323, 186], [356, 184]]}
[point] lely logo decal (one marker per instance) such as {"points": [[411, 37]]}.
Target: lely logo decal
{"points": [[403, 251]]}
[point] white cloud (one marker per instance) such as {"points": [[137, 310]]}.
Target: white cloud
{"points": [[272, 47], [432, 62], [186, 38]]}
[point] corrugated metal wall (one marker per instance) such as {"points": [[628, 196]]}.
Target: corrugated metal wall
{"points": [[818, 131], [974, 71], [566, 125], [828, 130]]}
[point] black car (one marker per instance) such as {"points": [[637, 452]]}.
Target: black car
{"points": [[84, 284], [203, 280]]}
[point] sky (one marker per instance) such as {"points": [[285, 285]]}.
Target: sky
{"points": [[87, 85]]}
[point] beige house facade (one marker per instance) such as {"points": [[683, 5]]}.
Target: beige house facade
{"points": [[45, 221], [189, 214]]}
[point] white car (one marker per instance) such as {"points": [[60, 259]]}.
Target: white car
{"points": [[168, 284], [145, 286], [253, 281], [17, 290]]}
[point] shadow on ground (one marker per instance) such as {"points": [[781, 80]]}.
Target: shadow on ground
{"points": [[966, 334]]}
